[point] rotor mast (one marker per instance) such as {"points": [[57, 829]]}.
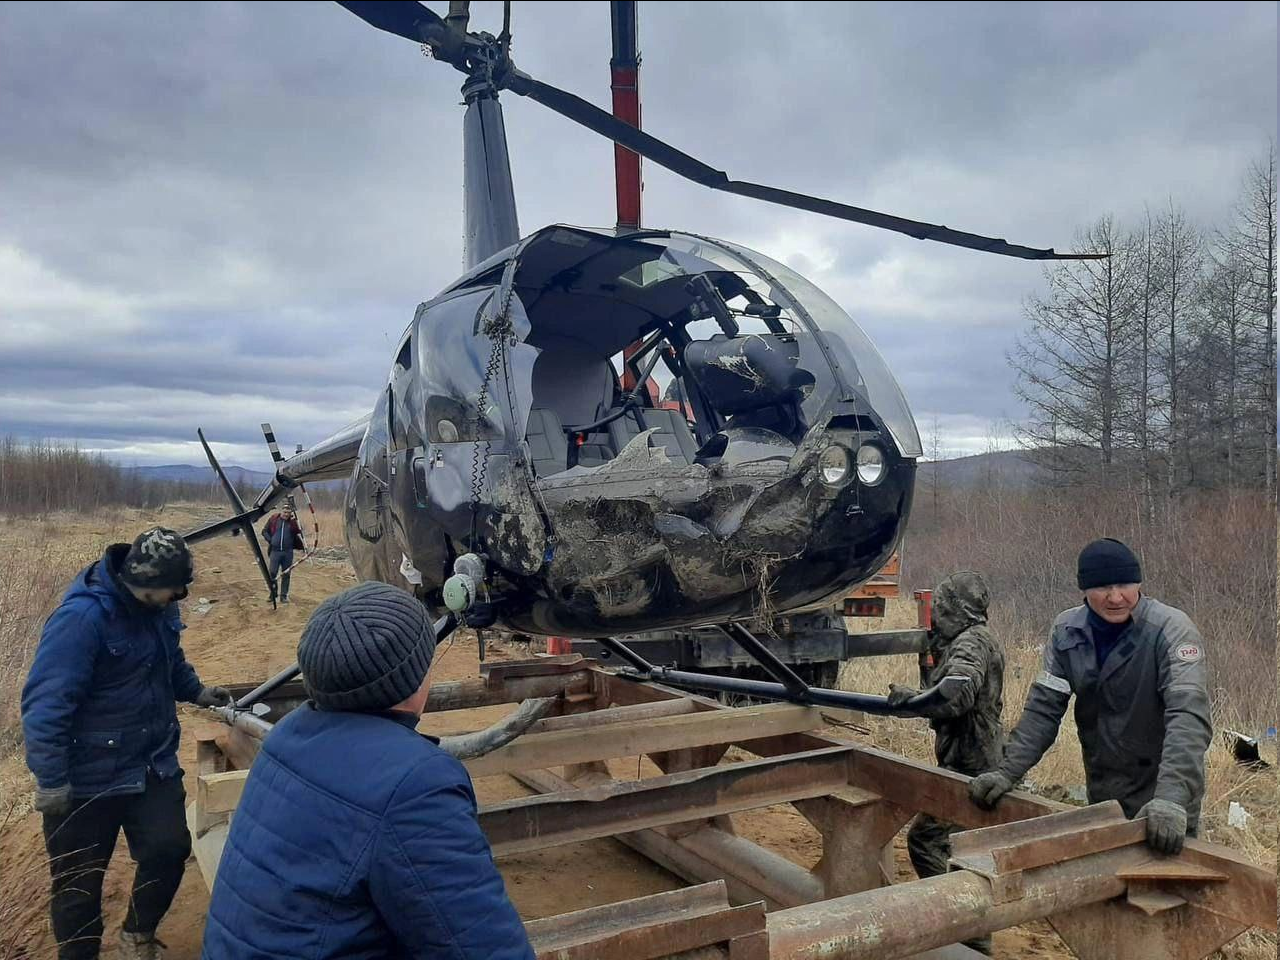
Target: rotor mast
{"points": [[490, 221], [625, 69]]}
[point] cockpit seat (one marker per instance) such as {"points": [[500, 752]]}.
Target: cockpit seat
{"points": [[672, 434], [754, 380], [548, 447]]}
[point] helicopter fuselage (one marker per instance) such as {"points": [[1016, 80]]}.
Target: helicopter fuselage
{"points": [[781, 478]]}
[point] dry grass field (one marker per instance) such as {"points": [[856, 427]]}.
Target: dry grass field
{"points": [[241, 638]]}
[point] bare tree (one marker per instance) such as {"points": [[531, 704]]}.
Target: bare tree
{"points": [[1252, 242], [1180, 248], [1073, 364]]}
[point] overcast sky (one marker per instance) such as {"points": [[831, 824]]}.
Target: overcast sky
{"points": [[218, 214]]}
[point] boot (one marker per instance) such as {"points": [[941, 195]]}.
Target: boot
{"points": [[140, 946]]}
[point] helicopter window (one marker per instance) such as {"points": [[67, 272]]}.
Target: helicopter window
{"points": [[404, 359]]}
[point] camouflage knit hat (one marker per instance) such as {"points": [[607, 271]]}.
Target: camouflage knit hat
{"points": [[959, 602], [159, 559]]}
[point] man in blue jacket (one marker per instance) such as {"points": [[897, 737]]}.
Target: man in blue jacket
{"points": [[356, 836], [101, 732]]}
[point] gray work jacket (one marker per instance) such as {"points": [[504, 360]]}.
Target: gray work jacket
{"points": [[1143, 719]]}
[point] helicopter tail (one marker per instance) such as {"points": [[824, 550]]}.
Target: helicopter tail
{"points": [[241, 523]]}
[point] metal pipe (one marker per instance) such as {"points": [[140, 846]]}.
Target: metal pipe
{"points": [[767, 659], [255, 727], [907, 918], [467, 746], [263, 690], [815, 696]]}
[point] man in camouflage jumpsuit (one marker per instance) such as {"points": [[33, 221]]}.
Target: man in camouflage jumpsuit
{"points": [[968, 734], [1137, 670]]}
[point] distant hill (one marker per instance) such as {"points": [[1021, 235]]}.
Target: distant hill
{"points": [[1009, 468]]}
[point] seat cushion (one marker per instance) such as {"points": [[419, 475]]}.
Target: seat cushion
{"points": [[547, 445], [672, 433]]}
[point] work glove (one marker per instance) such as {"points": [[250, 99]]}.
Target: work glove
{"points": [[1166, 825], [899, 695], [54, 800], [986, 788], [213, 697]]}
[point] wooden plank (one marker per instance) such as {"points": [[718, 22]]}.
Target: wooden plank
{"points": [[627, 740], [207, 846], [467, 694], [537, 822], [220, 792], [599, 718]]}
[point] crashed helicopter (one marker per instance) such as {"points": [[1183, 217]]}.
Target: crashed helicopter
{"points": [[518, 466]]}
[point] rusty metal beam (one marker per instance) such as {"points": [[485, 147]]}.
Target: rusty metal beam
{"points": [[536, 822], [905, 919], [647, 928]]}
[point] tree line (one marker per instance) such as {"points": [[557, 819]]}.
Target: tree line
{"points": [[1153, 368], [43, 476]]}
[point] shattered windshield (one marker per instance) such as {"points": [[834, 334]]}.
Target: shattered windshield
{"points": [[834, 350]]}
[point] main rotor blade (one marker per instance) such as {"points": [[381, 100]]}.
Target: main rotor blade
{"points": [[691, 168], [410, 20]]}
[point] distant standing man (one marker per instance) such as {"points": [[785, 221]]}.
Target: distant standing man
{"points": [[101, 733], [968, 734], [356, 836], [1137, 669], [283, 536]]}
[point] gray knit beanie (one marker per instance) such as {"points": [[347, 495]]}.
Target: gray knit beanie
{"points": [[366, 648]]}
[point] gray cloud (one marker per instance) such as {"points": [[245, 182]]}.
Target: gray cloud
{"points": [[221, 213]]}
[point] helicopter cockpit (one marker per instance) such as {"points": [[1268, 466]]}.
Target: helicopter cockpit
{"points": [[626, 425], [756, 353]]}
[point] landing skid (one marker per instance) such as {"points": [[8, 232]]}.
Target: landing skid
{"points": [[788, 686]]}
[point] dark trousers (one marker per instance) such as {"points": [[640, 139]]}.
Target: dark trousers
{"points": [[277, 561], [80, 844], [929, 846]]}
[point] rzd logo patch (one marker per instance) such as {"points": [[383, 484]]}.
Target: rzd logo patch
{"points": [[1190, 652]]}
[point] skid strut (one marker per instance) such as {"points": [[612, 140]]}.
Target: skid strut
{"points": [[787, 686]]}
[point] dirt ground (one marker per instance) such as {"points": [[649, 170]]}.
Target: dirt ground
{"points": [[240, 638]]}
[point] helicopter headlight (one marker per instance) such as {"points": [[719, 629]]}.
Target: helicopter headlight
{"points": [[871, 465], [833, 466]]}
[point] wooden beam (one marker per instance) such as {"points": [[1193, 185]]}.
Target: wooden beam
{"points": [[219, 792], [467, 694], [629, 740], [599, 718], [536, 822]]}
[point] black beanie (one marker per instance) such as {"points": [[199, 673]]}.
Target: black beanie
{"points": [[159, 559], [367, 648], [1105, 562]]}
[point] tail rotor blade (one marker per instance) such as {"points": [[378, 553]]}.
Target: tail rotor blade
{"points": [[245, 524]]}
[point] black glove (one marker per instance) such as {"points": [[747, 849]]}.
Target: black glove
{"points": [[213, 697], [986, 788], [54, 800], [1166, 826], [899, 695]]}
